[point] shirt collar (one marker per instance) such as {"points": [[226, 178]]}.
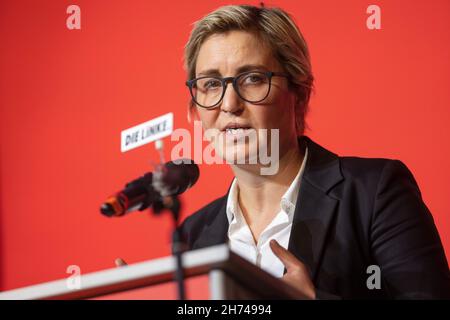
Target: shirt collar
{"points": [[232, 201], [288, 200]]}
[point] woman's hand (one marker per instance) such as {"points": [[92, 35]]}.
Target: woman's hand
{"points": [[297, 274], [119, 262]]}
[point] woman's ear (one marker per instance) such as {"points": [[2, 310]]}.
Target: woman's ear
{"points": [[192, 114], [299, 115], [298, 99]]}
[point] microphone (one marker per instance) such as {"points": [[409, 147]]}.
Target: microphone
{"points": [[172, 178]]}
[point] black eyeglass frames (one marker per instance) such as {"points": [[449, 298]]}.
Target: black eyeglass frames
{"points": [[252, 86]]}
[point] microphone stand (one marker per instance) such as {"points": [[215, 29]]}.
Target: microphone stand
{"points": [[173, 204]]}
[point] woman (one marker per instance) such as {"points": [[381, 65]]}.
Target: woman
{"points": [[319, 221]]}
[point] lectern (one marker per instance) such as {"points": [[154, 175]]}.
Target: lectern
{"points": [[227, 276]]}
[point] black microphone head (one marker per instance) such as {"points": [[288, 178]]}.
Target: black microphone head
{"points": [[177, 176]]}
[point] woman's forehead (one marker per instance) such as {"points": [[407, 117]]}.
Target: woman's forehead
{"points": [[232, 51]]}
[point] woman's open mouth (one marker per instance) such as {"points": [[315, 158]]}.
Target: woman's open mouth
{"points": [[237, 133]]}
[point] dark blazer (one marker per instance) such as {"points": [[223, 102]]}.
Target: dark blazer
{"points": [[352, 213]]}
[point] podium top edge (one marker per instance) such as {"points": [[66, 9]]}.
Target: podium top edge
{"points": [[127, 277]]}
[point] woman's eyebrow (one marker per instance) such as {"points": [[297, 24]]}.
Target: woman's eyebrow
{"points": [[251, 67], [244, 68], [209, 72]]}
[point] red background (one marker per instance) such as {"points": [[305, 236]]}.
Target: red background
{"points": [[65, 96]]}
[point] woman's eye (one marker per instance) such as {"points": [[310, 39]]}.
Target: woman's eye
{"points": [[212, 84], [254, 79]]}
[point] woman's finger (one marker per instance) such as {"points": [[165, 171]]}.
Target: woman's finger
{"points": [[286, 257], [120, 262]]}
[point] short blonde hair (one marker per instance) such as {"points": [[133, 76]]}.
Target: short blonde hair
{"points": [[274, 26]]}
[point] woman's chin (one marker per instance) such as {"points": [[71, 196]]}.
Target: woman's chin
{"points": [[239, 154]]}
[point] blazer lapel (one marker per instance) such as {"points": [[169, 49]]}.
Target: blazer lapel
{"points": [[215, 233], [316, 205], [216, 230]]}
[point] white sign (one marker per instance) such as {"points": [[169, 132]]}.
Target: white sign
{"points": [[147, 132]]}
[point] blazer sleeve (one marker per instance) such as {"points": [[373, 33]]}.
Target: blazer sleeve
{"points": [[404, 240]]}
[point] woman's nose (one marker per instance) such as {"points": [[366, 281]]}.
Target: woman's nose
{"points": [[231, 101]]}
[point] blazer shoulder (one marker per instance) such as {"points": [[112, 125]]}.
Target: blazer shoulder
{"points": [[206, 211], [373, 177], [372, 169]]}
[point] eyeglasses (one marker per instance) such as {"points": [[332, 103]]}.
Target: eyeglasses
{"points": [[253, 86]]}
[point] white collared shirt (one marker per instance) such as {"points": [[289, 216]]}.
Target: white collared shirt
{"points": [[241, 239]]}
